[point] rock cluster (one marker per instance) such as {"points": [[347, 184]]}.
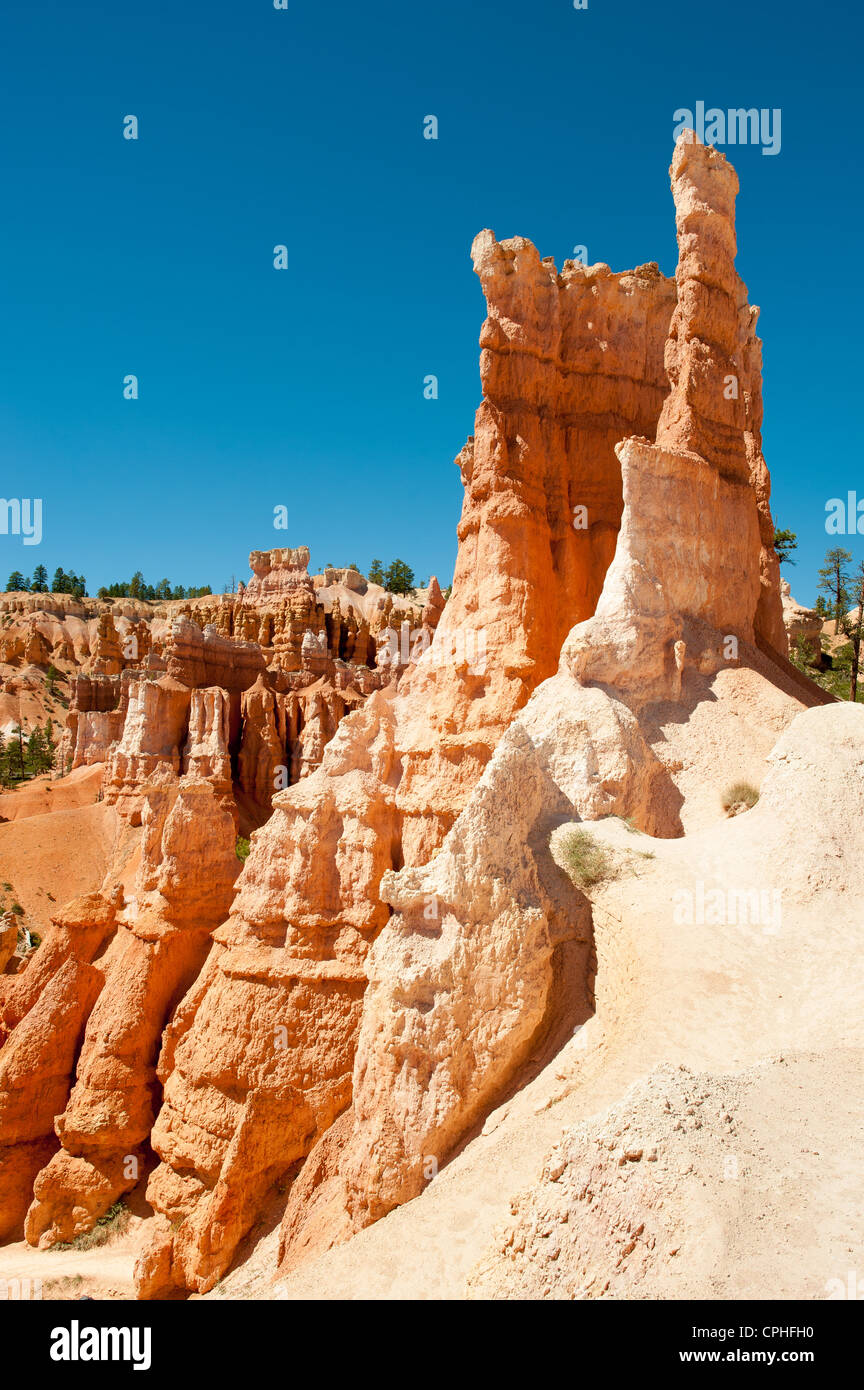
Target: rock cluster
{"points": [[196, 733], [283, 666]]}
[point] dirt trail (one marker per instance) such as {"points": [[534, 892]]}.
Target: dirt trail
{"points": [[105, 1272]]}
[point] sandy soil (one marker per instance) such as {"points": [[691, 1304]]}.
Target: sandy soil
{"points": [[50, 859], [104, 1272], [43, 795]]}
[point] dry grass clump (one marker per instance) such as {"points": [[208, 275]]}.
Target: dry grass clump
{"points": [[580, 856], [741, 796]]}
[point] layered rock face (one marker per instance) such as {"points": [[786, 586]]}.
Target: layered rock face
{"points": [[258, 713], [154, 732], [184, 887], [197, 657], [300, 630], [277, 572], [570, 364], [97, 713], [282, 612], [243, 1105], [104, 981], [106, 652], [43, 1013], [48, 640]]}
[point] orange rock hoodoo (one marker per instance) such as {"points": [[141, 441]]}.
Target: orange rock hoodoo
{"points": [[388, 956]]}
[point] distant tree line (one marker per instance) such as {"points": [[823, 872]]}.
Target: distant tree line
{"points": [[137, 587], [62, 583], [76, 585], [397, 578]]}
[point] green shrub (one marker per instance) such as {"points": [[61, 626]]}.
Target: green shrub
{"points": [[241, 848], [114, 1221], [584, 860]]}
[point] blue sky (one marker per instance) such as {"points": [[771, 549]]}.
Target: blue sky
{"points": [[304, 387]]}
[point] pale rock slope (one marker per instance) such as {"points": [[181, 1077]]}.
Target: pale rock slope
{"points": [[698, 1135]]}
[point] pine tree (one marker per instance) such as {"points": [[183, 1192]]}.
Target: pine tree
{"points": [[784, 543], [17, 755], [16, 583], [852, 626], [35, 757], [399, 578], [376, 572], [39, 582], [834, 581]]}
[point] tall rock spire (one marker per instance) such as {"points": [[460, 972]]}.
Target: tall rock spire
{"points": [[713, 356]]}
